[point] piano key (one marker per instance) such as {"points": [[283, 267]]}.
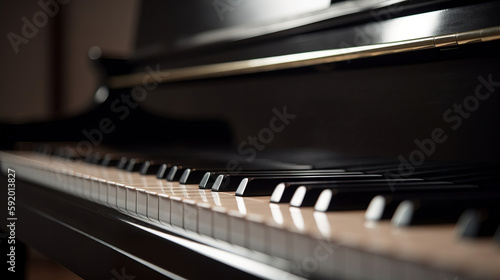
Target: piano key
{"points": [[150, 167], [162, 171], [231, 181], [92, 157], [439, 210], [358, 197], [109, 160], [260, 186], [478, 222], [174, 173], [383, 206], [496, 237], [122, 163], [256, 170], [284, 191], [193, 175]]}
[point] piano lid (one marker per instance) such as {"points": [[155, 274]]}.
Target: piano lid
{"points": [[387, 30], [166, 28]]}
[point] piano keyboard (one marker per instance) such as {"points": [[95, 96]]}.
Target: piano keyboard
{"points": [[293, 242]]}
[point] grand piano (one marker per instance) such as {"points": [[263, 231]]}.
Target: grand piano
{"points": [[353, 139]]}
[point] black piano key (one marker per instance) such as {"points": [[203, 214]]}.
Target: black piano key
{"points": [[359, 197], [264, 186], [174, 173], [67, 153], [440, 210], [195, 175], [162, 171], [496, 237], [96, 158], [208, 180], [122, 163], [478, 222], [60, 152], [45, 149], [284, 191], [89, 157], [133, 165], [383, 206], [362, 192], [231, 181], [109, 160], [149, 167]]}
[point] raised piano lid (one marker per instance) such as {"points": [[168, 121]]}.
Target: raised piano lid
{"points": [[167, 29]]}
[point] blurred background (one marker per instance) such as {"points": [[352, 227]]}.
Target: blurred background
{"points": [[49, 75]]}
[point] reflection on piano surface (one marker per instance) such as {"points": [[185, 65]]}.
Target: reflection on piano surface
{"points": [[342, 140]]}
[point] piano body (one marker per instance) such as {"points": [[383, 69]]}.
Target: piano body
{"points": [[402, 94]]}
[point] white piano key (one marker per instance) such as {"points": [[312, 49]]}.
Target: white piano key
{"points": [[121, 197], [205, 219], [74, 182], [301, 251], [82, 183], [86, 186], [176, 211], [142, 203], [237, 228], [353, 264], [339, 262], [280, 242], [153, 206], [323, 252], [131, 200], [190, 218], [221, 225], [94, 186], [164, 209], [112, 194], [257, 235], [382, 268], [103, 191]]}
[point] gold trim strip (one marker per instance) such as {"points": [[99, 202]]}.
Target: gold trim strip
{"points": [[304, 59]]}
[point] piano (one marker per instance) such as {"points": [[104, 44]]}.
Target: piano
{"points": [[353, 139]]}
